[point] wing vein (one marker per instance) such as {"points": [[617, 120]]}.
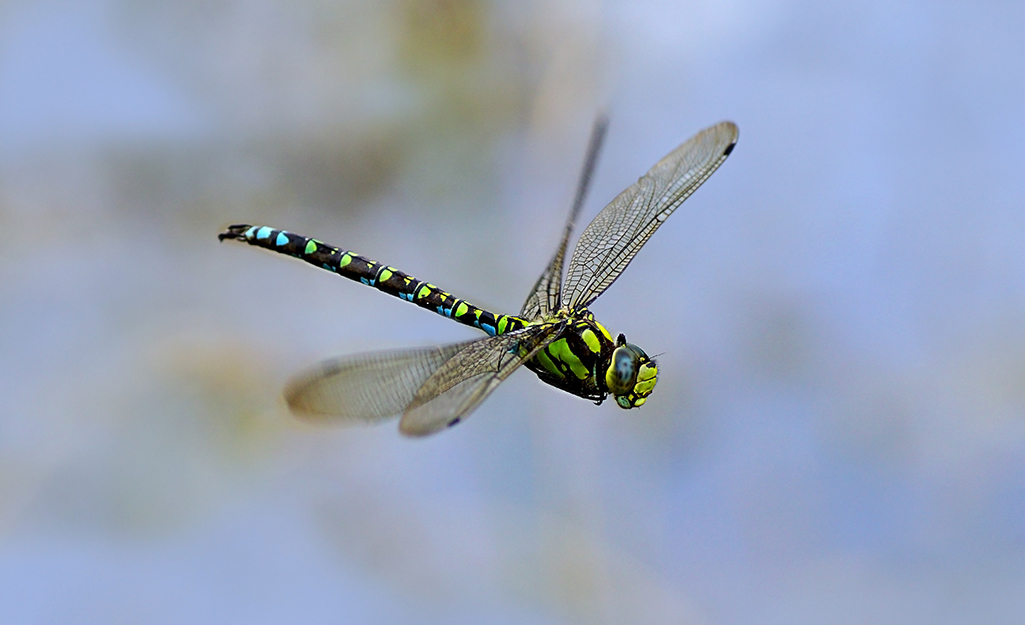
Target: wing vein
{"points": [[620, 230]]}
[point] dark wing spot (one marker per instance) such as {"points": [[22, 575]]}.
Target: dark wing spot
{"points": [[453, 422], [729, 149]]}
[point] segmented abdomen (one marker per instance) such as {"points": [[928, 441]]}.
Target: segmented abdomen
{"points": [[382, 277]]}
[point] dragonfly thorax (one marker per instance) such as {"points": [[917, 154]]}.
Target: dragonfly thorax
{"points": [[586, 361]]}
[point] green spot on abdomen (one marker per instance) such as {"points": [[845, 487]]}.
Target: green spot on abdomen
{"points": [[311, 247], [346, 259], [461, 309]]}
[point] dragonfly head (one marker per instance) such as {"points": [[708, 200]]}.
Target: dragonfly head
{"points": [[631, 375]]}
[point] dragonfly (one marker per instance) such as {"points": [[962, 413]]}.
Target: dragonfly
{"points": [[555, 335]]}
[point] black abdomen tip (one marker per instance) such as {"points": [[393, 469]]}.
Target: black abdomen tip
{"points": [[236, 231]]}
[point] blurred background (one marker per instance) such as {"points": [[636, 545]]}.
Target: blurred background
{"points": [[837, 435]]}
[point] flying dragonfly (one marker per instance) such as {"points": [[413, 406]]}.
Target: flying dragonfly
{"points": [[555, 335]]}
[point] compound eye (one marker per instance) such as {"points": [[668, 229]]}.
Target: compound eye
{"points": [[622, 371]]}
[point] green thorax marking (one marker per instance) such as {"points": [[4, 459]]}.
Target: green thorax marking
{"points": [[576, 360]]}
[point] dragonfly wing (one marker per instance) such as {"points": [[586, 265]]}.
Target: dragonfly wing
{"points": [[366, 387], [546, 293], [614, 237], [459, 385]]}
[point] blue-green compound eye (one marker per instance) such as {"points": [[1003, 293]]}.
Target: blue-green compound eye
{"points": [[622, 371], [631, 375]]}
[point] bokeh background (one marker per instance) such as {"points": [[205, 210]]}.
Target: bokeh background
{"points": [[837, 435]]}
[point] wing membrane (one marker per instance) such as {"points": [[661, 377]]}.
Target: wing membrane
{"points": [[458, 386], [366, 387], [546, 294], [432, 387], [614, 237]]}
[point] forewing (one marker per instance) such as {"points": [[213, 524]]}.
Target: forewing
{"points": [[366, 387], [457, 387], [546, 293], [614, 237]]}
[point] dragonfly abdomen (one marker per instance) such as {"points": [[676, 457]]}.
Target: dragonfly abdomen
{"points": [[382, 277]]}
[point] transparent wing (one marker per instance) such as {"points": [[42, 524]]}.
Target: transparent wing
{"points": [[545, 297], [366, 387], [459, 385], [611, 241]]}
